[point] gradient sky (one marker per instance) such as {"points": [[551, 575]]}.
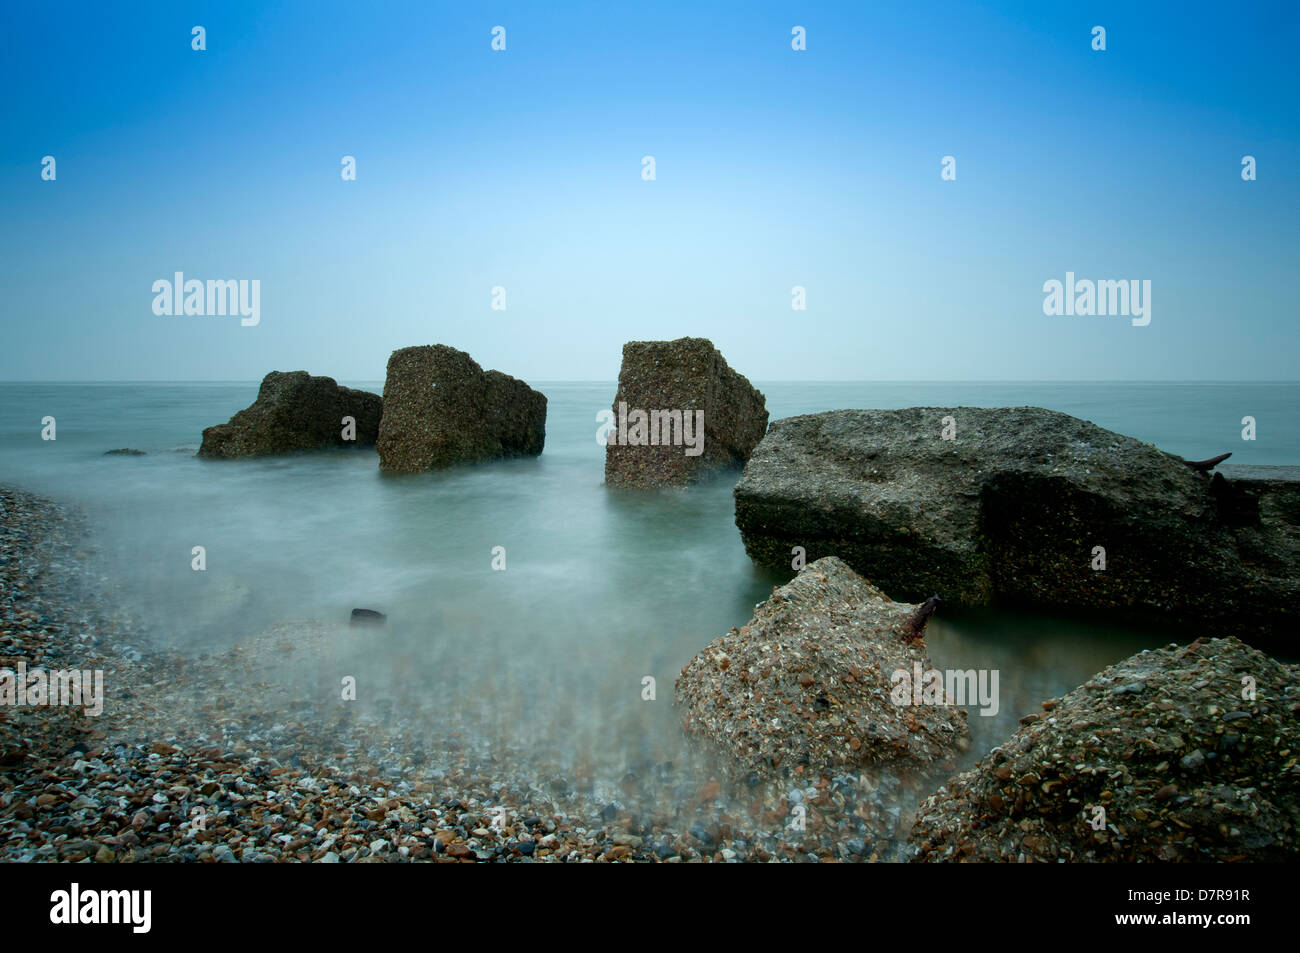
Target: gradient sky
{"points": [[775, 168]]}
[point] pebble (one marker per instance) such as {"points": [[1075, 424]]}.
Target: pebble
{"points": [[1194, 761]]}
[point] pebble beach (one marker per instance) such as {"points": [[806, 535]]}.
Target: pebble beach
{"points": [[227, 757]]}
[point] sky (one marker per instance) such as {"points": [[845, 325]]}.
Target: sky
{"points": [[522, 169]]}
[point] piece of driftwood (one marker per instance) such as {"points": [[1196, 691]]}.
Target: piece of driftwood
{"points": [[1209, 464], [914, 628]]}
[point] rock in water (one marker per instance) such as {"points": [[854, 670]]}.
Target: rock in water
{"points": [[1184, 767], [295, 411], [669, 382], [124, 452], [809, 680], [1024, 505], [368, 617], [441, 408]]}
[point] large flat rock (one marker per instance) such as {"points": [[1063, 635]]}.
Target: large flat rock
{"points": [[441, 408], [669, 382], [295, 411], [1012, 509]]}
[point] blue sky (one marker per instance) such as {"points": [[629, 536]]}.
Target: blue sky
{"points": [[775, 168]]}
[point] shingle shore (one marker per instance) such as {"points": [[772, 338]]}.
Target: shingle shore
{"points": [[189, 763]]}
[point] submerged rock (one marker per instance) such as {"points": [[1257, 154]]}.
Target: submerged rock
{"points": [[666, 389], [1024, 505], [441, 408], [124, 452], [368, 617], [1185, 769], [295, 411], [806, 686]]}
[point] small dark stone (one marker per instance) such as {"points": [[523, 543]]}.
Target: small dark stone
{"points": [[704, 835], [124, 452], [1194, 761], [1132, 688], [526, 847], [368, 617]]}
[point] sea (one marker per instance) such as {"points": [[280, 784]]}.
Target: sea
{"points": [[525, 595]]}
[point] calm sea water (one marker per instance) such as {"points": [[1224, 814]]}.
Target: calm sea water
{"points": [[601, 587]]}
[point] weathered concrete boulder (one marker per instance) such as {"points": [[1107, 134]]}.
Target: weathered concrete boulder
{"points": [[1262, 504], [1014, 509], [805, 688], [665, 390], [295, 411], [441, 408], [1185, 768]]}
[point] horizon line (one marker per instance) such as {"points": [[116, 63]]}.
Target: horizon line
{"points": [[614, 381]]}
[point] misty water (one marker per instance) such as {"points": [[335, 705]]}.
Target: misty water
{"points": [[602, 587]]}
